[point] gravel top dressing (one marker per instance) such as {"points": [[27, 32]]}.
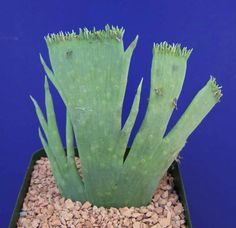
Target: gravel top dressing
{"points": [[44, 207]]}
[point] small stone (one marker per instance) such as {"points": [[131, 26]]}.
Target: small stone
{"points": [[164, 222], [143, 225], [126, 212], [69, 204], [182, 216], [35, 223], [156, 226], [126, 222], [103, 212], [137, 225], [154, 218], [86, 205], [162, 202], [63, 221], [139, 218], [109, 225], [177, 222], [62, 200], [116, 211], [159, 210], [84, 215], [32, 192], [57, 206], [23, 213], [177, 217], [45, 225], [95, 208], [66, 215], [168, 187], [178, 209], [151, 207], [78, 205], [88, 224], [144, 210], [92, 220], [173, 198], [50, 210], [169, 204], [136, 215], [76, 214], [149, 214], [24, 221], [157, 197], [165, 195]]}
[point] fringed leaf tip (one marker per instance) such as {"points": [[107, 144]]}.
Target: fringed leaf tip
{"points": [[171, 49], [112, 32], [216, 89]]}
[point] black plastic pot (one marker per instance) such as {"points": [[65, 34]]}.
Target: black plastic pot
{"points": [[174, 170]]}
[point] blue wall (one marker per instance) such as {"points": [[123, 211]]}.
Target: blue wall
{"points": [[209, 27]]}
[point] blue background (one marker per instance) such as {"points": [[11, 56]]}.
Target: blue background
{"points": [[209, 27]]}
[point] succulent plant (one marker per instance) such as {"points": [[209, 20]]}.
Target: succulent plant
{"points": [[90, 71]]}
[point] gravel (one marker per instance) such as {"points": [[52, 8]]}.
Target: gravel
{"points": [[44, 207]]}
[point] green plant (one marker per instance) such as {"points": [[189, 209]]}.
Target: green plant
{"points": [[90, 70]]}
